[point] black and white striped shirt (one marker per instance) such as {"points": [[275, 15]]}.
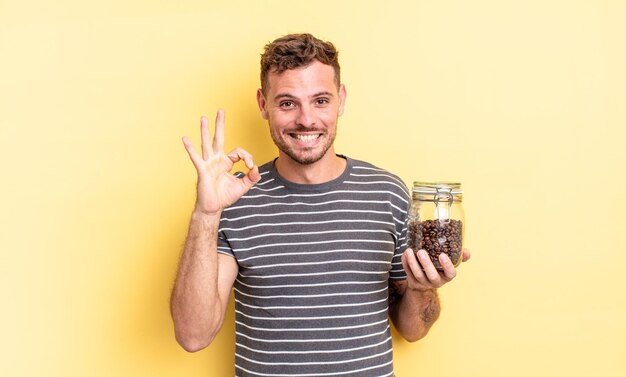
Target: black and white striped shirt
{"points": [[311, 297]]}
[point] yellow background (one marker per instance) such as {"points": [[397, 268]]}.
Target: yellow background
{"points": [[521, 101]]}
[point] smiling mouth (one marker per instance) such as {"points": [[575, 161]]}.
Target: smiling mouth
{"points": [[305, 137]]}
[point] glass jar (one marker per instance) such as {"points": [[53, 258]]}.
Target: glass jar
{"points": [[436, 220]]}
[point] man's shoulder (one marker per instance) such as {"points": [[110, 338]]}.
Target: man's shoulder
{"points": [[368, 172], [365, 165], [369, 169]]}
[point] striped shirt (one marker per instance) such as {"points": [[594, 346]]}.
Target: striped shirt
{"points": [[311, 296]]}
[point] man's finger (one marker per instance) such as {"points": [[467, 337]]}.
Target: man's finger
{"points": [[448, 268], [239, 154], [252, 177], [429, 267], [412, 266], [205, 136], [466, 255], [193, 155], [218, 138]]}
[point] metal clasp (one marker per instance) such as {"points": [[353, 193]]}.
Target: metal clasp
{"points": [[443, 194]]}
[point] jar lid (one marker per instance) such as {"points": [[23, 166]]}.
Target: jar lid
{"points": [[422, 187]]}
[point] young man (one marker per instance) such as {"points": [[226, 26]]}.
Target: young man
{"points": [[313, 243]]}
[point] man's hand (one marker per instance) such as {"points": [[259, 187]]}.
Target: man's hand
{"points": [[421, 272], [217, 187], [414, 303]]}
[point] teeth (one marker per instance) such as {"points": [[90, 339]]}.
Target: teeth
{"points": [[306, 138]]}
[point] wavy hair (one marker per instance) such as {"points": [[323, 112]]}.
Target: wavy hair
{"points": [[294, 51]]}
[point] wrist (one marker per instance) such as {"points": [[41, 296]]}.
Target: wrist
{"points": [[201, 215], [424, 291]]}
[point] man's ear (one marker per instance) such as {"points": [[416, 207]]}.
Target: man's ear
{"points": [[260, 99], [342, 98]]}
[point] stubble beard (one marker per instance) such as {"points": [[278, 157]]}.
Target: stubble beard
{"points": [[307, 157]]}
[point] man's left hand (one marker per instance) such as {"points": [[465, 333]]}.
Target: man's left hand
{"points": [[422, 273]]}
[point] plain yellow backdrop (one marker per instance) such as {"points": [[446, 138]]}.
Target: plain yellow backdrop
{"points": [[524, 102]]}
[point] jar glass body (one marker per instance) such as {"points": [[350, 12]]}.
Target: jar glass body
{"points": [[437, 220]]}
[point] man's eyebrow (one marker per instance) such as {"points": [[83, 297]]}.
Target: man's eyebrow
{"points": [[282, 95], [289, 96], [325, 93], [322, 94]]}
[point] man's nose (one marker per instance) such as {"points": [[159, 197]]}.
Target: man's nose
{"points": [[306, 116]]}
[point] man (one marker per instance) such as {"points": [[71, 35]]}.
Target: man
{"points": [[313, 243]]}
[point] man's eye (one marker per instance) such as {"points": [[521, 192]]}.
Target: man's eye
{"points": [[287, 104], [322, 101]]}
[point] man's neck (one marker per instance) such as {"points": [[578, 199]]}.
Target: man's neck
{"points": [[326, 169]]}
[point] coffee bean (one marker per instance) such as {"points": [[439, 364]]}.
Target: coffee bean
{"points": [[437, 237]]}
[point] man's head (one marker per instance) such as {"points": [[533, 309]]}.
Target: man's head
{"points": [[295, 51], [301, 98]]}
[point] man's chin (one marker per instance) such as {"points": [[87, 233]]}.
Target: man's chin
{"points": [[305, 158]]}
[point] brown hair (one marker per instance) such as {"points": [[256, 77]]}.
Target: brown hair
{"points": [[294, 51]]}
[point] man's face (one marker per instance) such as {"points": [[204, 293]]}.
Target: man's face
{"points": [[302, 106]]}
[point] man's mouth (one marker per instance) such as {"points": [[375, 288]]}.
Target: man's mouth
{"points": [[307, 138]]}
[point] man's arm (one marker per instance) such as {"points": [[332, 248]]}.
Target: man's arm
{"points": [[202, 288], [412, 313], [413, 303], [204, 277]]}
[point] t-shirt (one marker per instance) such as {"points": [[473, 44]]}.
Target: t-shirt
{"points": [[311, 296]]}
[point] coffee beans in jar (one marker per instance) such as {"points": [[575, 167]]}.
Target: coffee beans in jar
{"points": [[436, 220]]}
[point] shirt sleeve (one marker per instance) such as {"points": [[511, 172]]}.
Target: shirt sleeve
{"points": [[223, 246], [402, 218]]}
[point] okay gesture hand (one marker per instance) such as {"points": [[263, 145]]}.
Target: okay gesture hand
{"points": [[217, 187]]}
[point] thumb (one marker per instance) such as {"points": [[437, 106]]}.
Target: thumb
{"points": [[251, 178]]}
